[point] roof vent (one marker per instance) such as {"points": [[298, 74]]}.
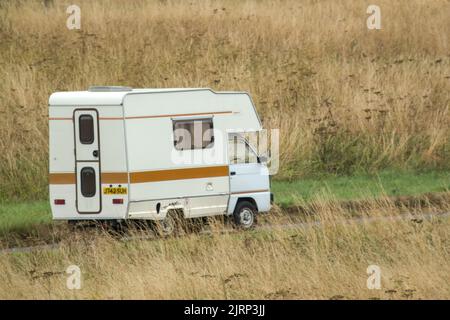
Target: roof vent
{"points": [[108, 88]]}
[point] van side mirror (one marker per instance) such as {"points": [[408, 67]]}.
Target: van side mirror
{"points": [[262, 159]]}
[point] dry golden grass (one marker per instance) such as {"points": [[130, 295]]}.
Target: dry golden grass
{"points": [[326, 261], [345, 98]]}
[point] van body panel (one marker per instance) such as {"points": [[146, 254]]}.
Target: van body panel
{"points": [[68, 156]]}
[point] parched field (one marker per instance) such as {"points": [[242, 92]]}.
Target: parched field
{"points": [[346, 99], [364, 120], [29, 217], [319, 261], [318, 250]]}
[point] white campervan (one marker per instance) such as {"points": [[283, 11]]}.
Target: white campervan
{"points": [[118, 153]]}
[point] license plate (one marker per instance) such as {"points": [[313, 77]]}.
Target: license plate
{"points": [[114, 190]]}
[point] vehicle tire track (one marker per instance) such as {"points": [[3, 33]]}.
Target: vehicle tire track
{"points": [[268, 227]]}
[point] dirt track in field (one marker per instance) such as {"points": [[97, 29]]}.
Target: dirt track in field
{"points": [[264, 226]]}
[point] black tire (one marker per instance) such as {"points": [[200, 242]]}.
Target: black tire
{"points": [[245, 215], [73, 225], [172, 224]]}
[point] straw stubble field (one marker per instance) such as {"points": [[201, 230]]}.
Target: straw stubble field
{"points": [[311, 261], [346, 100]]}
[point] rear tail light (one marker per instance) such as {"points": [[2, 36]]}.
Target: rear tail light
{"points": [[60, 201], [117, 201]]}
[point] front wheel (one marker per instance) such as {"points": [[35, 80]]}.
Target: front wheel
{"points": [[245, 215]]}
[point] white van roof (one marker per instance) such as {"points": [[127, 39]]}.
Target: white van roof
{"points": [[108, 96]]}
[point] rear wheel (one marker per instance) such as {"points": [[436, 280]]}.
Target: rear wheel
{"points": [[172, 224], [245, 215]]}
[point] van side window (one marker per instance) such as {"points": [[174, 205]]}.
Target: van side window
{"points": [[240, 152], [193, 134], [86, 128], [88, 185]]}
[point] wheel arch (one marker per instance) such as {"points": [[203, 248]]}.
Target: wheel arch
{"points": [[249, 199], [178, 212]]}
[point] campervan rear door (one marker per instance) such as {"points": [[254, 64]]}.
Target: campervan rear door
{"points": [[87, 161]]}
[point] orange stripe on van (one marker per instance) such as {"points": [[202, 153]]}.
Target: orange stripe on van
{"points": [[60, 118], [157, 116], [146, 176], [178, 174], [107, 177], [114, 177], [180, 115], [61, 178]]}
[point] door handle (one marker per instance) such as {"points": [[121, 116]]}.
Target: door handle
{"points": [[232, 173], [95, 153]]}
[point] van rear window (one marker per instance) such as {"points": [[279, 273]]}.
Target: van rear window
{"points": [[86, 128], [88, 184]]}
